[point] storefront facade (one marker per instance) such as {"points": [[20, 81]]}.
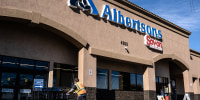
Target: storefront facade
{"points": [[118, 50]]}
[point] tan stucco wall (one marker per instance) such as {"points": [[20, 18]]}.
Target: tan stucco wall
{"points": [[162, 69], [87, 65], [195, 72], [120, 66], [195, 65], [34, 43], [180, 86], [148, 80]]}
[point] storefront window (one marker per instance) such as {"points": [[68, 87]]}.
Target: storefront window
{"points": [[41, 65], [43, 76], [102, 79], [17, 75], [26, 81], [127, 81], [8, 80], [133, 84], [124, 80], [64, 75], [26, 64], [10, 62], [139, 82], [115, 80], [161, 85]]}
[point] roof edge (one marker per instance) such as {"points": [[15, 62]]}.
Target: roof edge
{"points": [[194, 53]]}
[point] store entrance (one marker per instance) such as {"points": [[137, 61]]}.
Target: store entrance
{"points": [[16, 86], [173, 89], [17, 76], [176, 82]]}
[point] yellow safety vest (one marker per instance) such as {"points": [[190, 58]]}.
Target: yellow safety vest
{"points": [[80, 88]]}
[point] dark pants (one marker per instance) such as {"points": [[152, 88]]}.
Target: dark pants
{"points": [[81, 97]]}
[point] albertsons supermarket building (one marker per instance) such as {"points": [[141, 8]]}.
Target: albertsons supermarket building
{"points": [[118, 50]]}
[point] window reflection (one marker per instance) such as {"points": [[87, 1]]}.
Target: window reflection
{"points": [[133, 81], [10, 62], [17, 76], [41, 65], [26, 81], [64, 75], [157, 79], [8, 80], [26, 64], [115, 80], [126, 81], [102, 79], [139, 82]]}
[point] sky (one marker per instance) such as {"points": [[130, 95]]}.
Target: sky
{"points": [[184, 13]]}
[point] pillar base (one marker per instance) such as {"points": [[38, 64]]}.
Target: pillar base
{"points": [[91, 93], [149, 95], [196, 96]]}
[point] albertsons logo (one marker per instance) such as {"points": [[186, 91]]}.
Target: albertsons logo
{"points": [[85, 5]]}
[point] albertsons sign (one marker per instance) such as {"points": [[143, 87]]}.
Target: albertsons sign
{"points": [[116, 16]]}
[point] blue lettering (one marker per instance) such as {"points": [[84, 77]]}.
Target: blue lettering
{"points": [[120, 18], [134, 24], [148, 30], [127, 22], [143, 27], [114, 15], [159, 34], [106, 13], [154, 32]]}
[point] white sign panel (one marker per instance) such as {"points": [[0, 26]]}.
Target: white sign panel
{"points": [[38, 83], [90, 72], [152, 43], [25, 90], [7, 90]]}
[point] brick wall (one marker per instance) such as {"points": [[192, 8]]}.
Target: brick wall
{"points": [[129, 95], [149, 95], [91, 93], [119, 95]]}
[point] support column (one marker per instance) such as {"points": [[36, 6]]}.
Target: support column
{"points": [[87, 66], [188, 84], [50, 80], [149, 83]]}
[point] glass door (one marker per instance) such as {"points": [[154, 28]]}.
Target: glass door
{"points": [[17, 75], [25, 86], [8, 81], [173, 89]]}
